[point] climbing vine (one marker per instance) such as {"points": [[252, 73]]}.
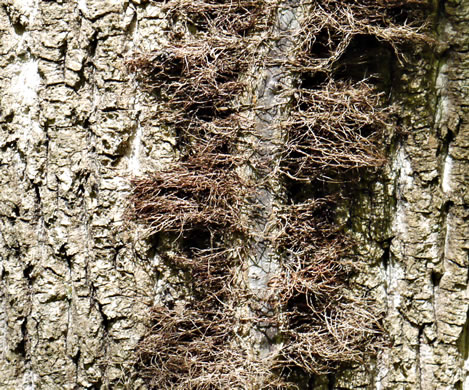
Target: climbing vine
{"points": [[334, 118]]}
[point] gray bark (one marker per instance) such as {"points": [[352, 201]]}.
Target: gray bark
{"points": [[76, 282]]}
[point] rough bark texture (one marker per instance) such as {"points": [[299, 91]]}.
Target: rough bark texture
{"points": [[74, 293], [427, 267], [76, 283], [413, 220]]}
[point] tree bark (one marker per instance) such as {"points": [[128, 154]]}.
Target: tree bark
{"points": [[76, 283]]}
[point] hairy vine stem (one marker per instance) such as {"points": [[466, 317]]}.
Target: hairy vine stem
{"points": [[256, 93]]}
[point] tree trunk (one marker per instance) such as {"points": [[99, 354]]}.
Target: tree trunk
{"points": [[77, 281]]}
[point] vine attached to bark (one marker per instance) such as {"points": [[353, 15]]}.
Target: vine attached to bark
{"points": [[334, 124]]}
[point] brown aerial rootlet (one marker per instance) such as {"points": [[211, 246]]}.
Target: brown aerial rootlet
{"points": [[335, 118]]}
